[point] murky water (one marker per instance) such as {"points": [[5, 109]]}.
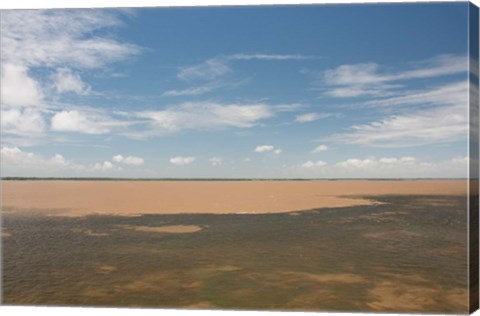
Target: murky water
{"points": [[409, 254]]}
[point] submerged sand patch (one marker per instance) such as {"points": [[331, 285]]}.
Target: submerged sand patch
{"points": [[88, 232], [414, 293], [171, 229], [392, 234], [126, 198], [346, 278], [390, 296], [395, 296], [167, 281], [106, 269]]}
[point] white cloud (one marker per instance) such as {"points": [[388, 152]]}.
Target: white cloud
{"points": [[311, 117], [59, 159], [18, 162], [402, 167], [460, 160], [22, 122], [54, 38], [357, 163], [18, 88], [385, 167], [13, 155], [311, 164], [367, 79], [180, 161], [61, 44], [408, 160], [320, 148], [372, 162], [392, 160], [389, 160], [105, 166], [268, 148], [215, 161], [264, 148], [67, 81], [130, 160], [83, 122], [207, 116]]}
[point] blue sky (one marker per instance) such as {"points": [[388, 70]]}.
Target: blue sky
{"points": [[325, 91]]}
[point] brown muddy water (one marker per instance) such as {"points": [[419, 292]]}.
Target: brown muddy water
{"points": [[408, 254]]}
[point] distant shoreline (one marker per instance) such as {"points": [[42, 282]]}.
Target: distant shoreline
{"points": [[218, 179]]}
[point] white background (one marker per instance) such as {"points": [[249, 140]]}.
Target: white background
{"points": [[53, 311]]}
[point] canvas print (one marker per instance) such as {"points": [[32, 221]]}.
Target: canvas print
{"points": [[292, 158]]}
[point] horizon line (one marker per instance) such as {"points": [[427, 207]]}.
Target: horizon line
{"points": [[13, 178]]}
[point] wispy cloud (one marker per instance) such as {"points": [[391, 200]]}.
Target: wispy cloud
{"points": [[311, 117], [209, 115], [84, 122], [420, 128], [53, 38], [433, 115], [368, 79], [451, 94], [209, 70], [214, 69], [198, 90], [272, 57], [445, 120]]}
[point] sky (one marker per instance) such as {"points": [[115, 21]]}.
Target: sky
{"points": [[323, 91]]}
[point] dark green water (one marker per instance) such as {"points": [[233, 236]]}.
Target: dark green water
{"points": [[407, 255]]}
